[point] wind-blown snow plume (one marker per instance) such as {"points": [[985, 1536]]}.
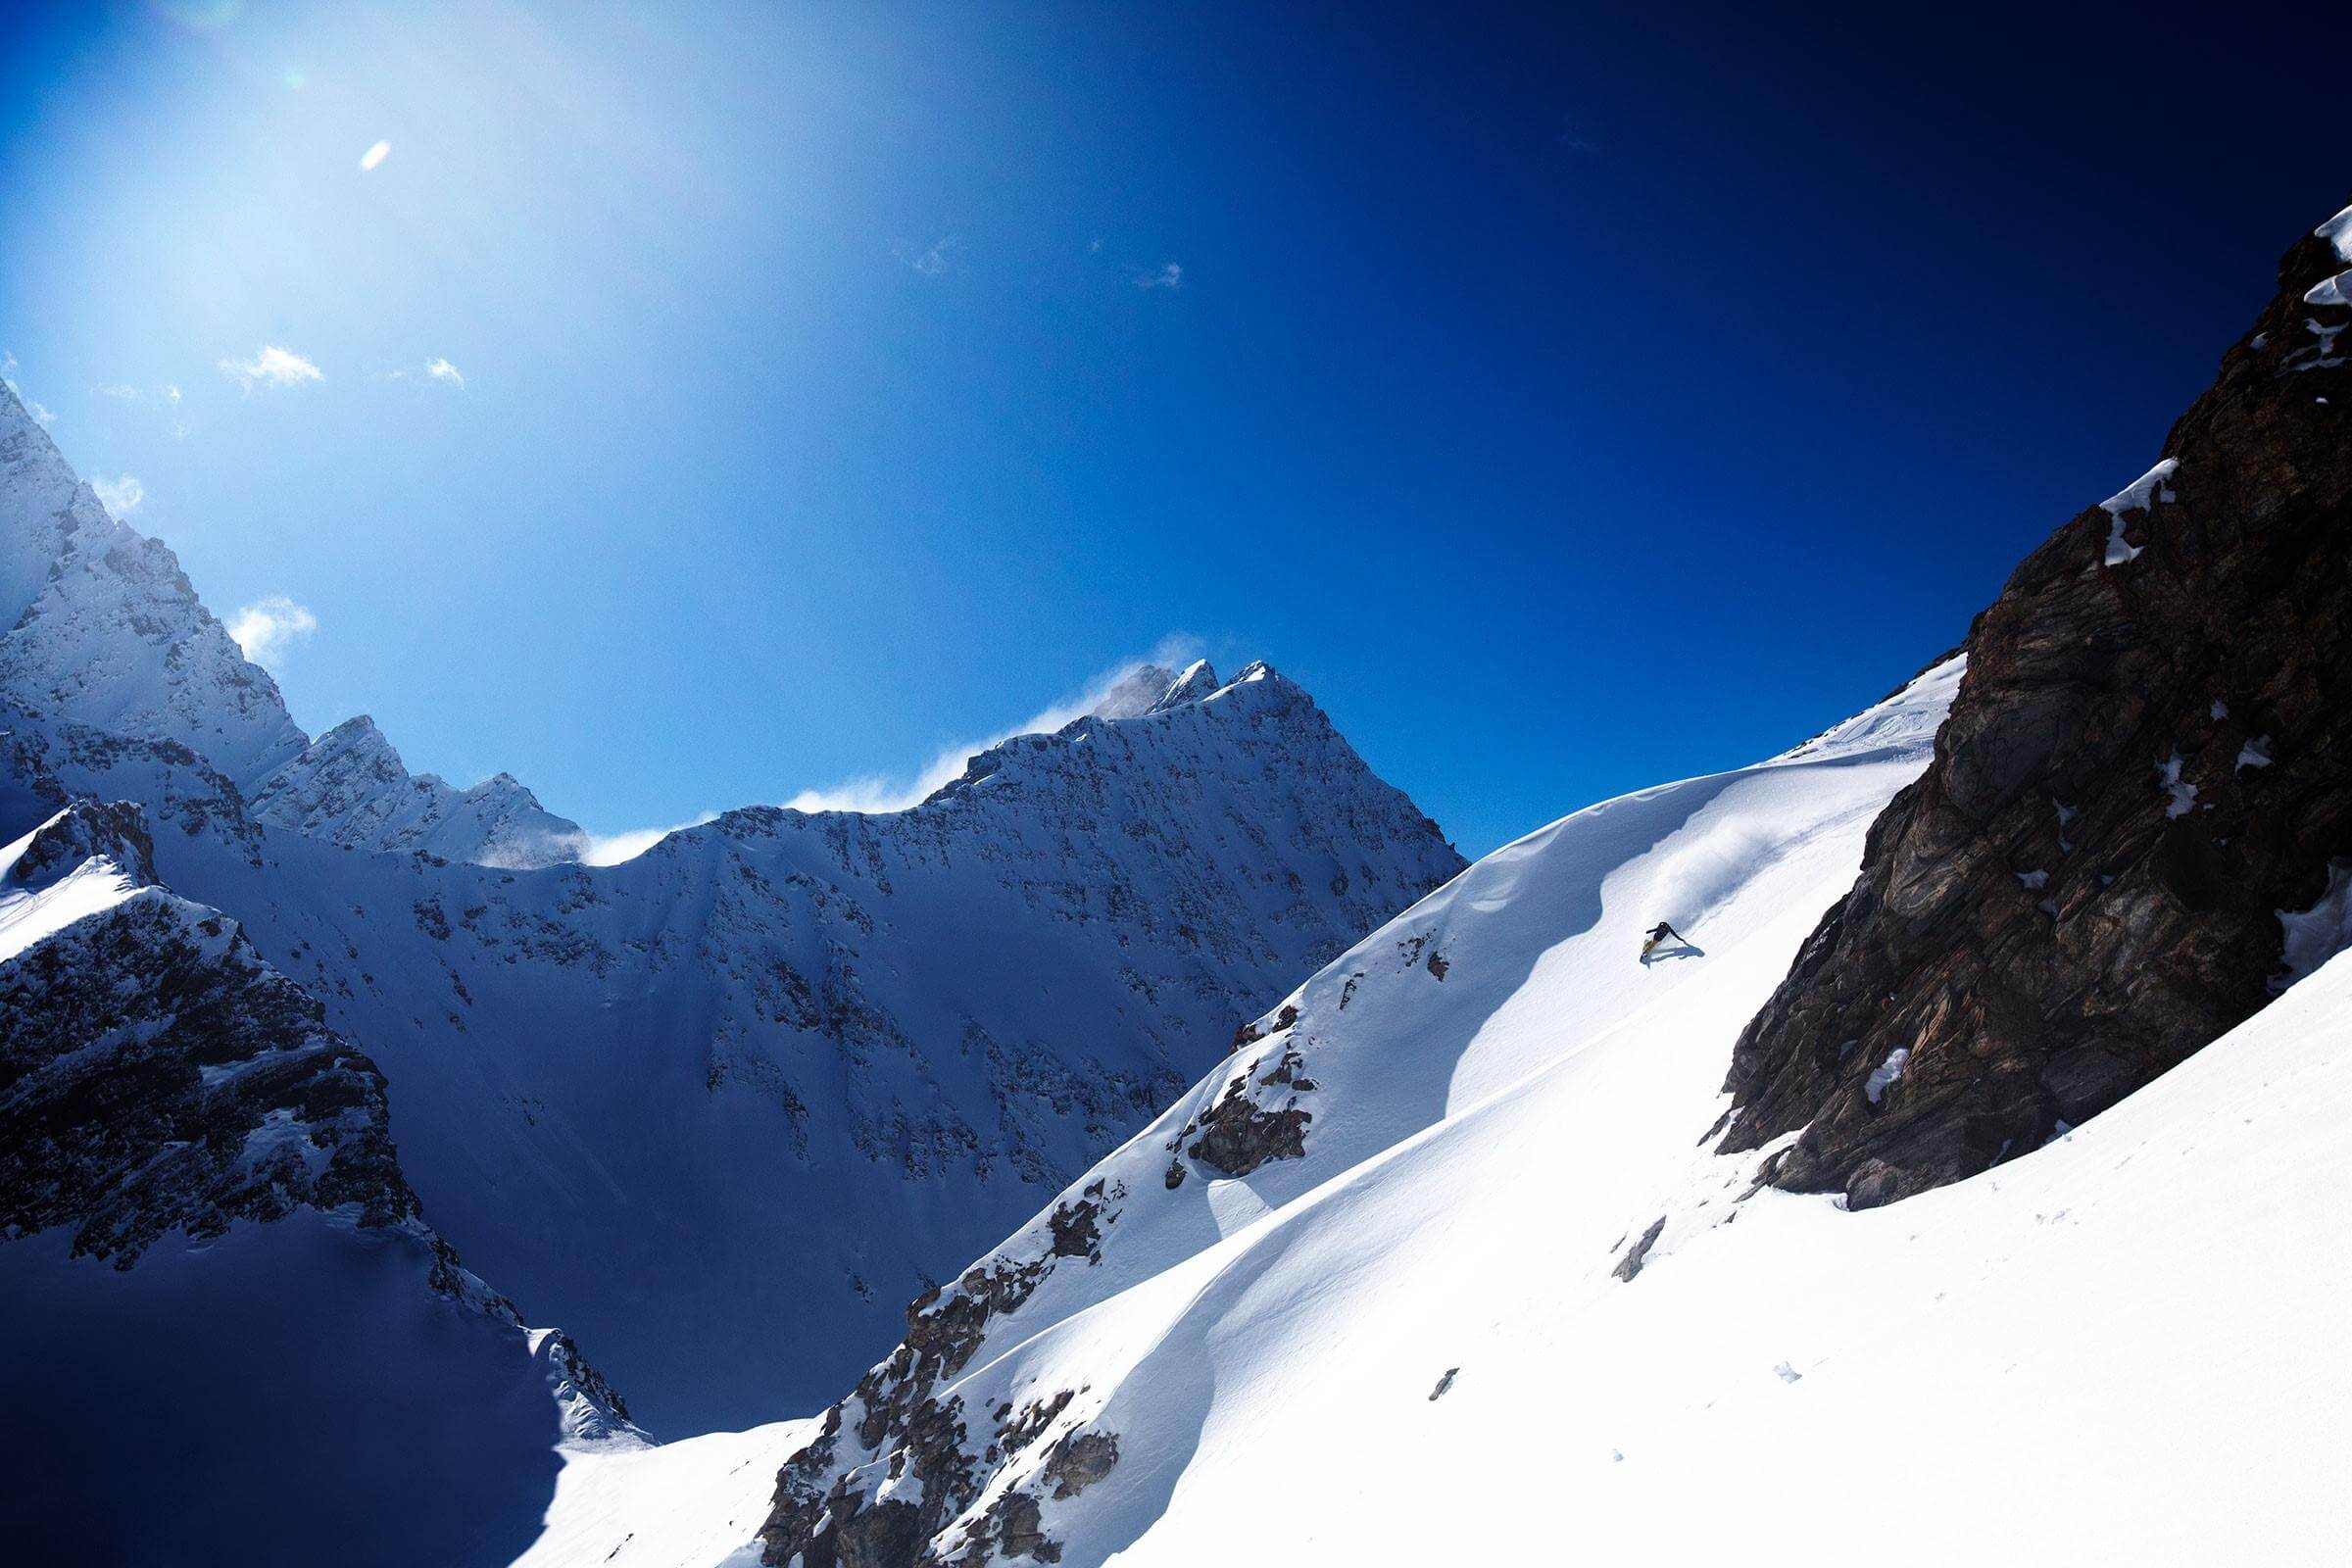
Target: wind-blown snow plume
{"points": [[889, 792]]}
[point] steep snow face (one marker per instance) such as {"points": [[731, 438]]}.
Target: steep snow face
{"points": [[720, 1108], [196, 1180], [1496, 1295], [349, 788], [43, 503]]}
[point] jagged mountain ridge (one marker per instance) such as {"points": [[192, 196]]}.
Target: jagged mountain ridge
{"points": [[106, 633], [2150, 760], [178, 1128], [750, 1023], [349, 787], [716, 1108]]}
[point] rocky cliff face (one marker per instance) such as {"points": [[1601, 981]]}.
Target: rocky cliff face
{"points": [[154, 1075], [2149, 761], [229, 1324]]}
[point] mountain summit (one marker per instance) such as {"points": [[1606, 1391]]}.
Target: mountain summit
{"points": [[717, 1108]]}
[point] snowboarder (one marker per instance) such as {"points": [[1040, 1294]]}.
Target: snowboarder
{"points": [[1659, 933]]}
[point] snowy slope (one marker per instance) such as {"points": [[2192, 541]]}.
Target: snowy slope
{"points": [[692, 1504], [231, 1336], [1175, 1366]]}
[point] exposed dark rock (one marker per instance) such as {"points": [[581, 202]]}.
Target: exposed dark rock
{"points": [[113, 830], [1443, 1384], [1631, 1264], [1250, 1034], [1075, 1234], [1238, 1134], [2150, 755], [154, 1075], [1079, 1461]]}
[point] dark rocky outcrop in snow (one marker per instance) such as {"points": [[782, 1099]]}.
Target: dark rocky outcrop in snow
{"points": [[2149, 757], [931, 1461], [156, 1075]]}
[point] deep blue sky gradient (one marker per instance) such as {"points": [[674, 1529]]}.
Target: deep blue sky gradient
{"points": [[1571, 398]]}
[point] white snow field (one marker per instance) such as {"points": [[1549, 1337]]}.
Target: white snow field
{"points": [[2123, 1347], [683, 1505]]}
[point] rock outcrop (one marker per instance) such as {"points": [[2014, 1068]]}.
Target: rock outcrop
{"points": [[2149, 759]]}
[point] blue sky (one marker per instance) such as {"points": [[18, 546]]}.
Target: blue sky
{"points": [[1570, 399]]}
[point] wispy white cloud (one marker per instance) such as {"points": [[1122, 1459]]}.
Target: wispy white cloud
{"points": [[936, 259], [120, 497], [125, 392], [882, 792], [375, 155], [1165, 275], [443, 370], [611, 848], [271, 366], [268, 628]]}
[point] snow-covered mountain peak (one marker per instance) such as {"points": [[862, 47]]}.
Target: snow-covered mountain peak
{"points": [[349, 787], [84, 860], [45, 509], [106, 635], [1197, 681], [105, 629]]}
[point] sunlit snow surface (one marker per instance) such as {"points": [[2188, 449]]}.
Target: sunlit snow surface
{"points": [[2130, 1337], [694, 1503], [26, 916]]}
